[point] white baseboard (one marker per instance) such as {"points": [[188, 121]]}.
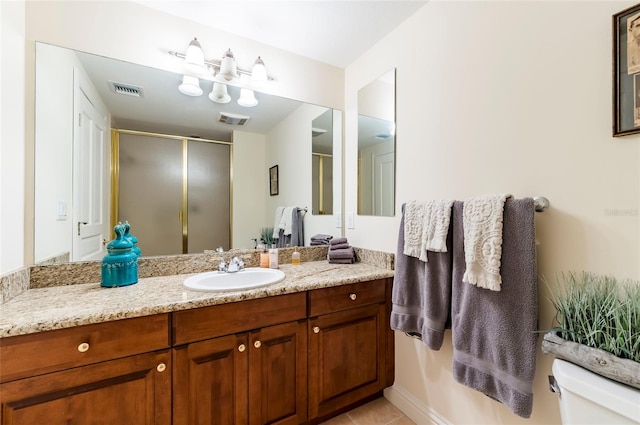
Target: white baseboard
{"points": [[417, 411]]}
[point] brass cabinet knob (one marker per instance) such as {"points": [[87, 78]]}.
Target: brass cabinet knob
{"points": [[353, 297], [241, 348], [257, 344], [84, 347], [161, 367], [316, 329]]}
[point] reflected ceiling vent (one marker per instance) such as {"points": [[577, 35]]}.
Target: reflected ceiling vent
{"points": [[317, 131], [232, 119], [126, 89]]}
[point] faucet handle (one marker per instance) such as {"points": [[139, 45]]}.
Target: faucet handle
{"points": [[222, 267], [237, 261]]}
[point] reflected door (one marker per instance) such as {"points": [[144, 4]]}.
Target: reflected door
{"points": [[90, 179]]}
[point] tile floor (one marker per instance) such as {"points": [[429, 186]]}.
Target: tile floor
{"points": [[376, 412]]}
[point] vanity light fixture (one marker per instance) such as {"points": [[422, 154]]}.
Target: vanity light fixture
{"points": [[224, 72], [247, 98], [194, 59], [190, 86], [219, 93]]}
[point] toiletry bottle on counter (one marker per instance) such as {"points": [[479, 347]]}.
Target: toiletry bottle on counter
{"points": [[273, 257], [295, 257], [264, 259]]}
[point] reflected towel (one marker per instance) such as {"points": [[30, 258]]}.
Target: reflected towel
{"points": [[494, 333], [286, 221], [277, 217]]}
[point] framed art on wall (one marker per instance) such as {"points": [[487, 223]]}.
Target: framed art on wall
{"points": [[273, 180], [626, 71]]}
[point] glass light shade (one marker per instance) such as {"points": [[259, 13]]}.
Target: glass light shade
{"points": [[219, 93], [194, 58], [228, 68], [259, 77], [190, 86], [247, 98]]}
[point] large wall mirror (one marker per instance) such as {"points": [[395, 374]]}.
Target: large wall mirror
{"points": [[111, 134], [376, 146]]}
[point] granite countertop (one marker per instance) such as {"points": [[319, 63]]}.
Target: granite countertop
{"points": [[58, 307]]}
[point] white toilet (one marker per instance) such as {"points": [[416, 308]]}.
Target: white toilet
{"points": [[588, 398]]}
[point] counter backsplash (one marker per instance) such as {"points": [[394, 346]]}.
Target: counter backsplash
{"points": [[41, 276]]}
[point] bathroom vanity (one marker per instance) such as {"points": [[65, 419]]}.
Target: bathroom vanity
{"points": [[299, 351]]}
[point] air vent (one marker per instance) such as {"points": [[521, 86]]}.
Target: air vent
{"points": [[232, 119], [317, 131], [125, 89]]}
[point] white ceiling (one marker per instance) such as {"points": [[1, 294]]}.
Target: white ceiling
{"points": [[331, 31]]}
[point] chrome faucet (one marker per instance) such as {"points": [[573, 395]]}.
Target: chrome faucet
{"points": [[235, 265]]}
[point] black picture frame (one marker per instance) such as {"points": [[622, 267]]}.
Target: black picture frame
{"points": [[273, 180], [626, 71]]}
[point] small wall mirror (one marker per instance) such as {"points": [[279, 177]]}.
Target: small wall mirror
{"points": [[376, 146], [322, 164]]}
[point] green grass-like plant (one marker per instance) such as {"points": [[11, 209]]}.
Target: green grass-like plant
{"points": [[266, 236], [598, 311]]}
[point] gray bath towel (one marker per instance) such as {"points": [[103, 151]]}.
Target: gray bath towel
{"points": [[296, 238], [421, 294], [493, 332]]}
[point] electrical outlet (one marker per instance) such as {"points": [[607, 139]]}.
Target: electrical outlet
{"points": [[339, 220], [351, 218]]}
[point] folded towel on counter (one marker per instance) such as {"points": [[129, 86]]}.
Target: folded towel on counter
{"points": [[337, 241], [482, 218], [341, 253], [494, 333], [339, 246], [426, 227], [277, 217], [421, 294], [342, 260]]}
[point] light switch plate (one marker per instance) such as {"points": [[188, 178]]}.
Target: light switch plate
{"points": [[351, 218], [61, 210], [339, 220]]}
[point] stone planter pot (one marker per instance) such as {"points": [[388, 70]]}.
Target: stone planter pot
{"points": [[598, 361]]}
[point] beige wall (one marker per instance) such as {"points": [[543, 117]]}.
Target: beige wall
{"points": [[12, 136], [504, 97]]}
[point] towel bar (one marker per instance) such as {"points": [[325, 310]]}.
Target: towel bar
{"points": [[541, 203]]}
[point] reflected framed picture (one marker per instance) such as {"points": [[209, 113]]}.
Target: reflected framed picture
{"points": [[273, 180], [626, 71]]}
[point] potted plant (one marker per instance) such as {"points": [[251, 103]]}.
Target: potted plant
{"points": [[266, 236], [598, 320]]}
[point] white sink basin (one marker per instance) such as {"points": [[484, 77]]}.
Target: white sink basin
{"points": [[249, 278]]}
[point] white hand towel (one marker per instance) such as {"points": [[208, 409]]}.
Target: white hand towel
{"points": [[276, 222], [287, 220], [426, 227], [482, 222], [436, 226]]}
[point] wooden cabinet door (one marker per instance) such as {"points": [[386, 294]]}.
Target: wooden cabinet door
{"points": [[346, 358], [278, 375], [131, 390], [210, 382]]}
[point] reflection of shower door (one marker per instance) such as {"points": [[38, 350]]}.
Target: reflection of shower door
{"points": [[174, 193]]}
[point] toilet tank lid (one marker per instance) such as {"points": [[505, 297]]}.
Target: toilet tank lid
{"points": [[615, 396]]}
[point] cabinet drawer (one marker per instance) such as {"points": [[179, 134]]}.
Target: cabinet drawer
{"points": [[225, 319], [35, 354], [329, 300]]}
